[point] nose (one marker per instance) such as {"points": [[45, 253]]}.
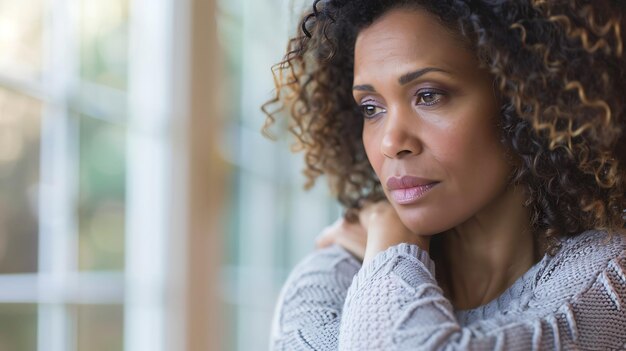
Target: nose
{"points": [[400, 138]]}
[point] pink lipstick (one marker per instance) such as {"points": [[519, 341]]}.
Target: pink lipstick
{"points": [[407, 189]]}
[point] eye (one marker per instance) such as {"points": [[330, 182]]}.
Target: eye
{"points": [[371, 111], [429, 98]]}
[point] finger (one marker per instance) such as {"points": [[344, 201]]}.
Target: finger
{"points": [[327, 236], [353, 238], [352, 244], [353, 228], [341, 228], [366, 212], [324, 239], [374, 208]]}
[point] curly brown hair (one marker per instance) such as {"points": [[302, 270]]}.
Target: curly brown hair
{"points": [[558, 65]]}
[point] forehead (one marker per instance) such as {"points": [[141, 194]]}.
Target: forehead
{"points": [[402, 39]]}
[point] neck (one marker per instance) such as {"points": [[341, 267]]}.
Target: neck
{"points": [[487, 253]]}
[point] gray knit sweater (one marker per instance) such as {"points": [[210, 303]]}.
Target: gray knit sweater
{"points": [[573, 300]]}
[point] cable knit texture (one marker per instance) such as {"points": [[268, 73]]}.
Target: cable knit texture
{"points": [[573, 300]]}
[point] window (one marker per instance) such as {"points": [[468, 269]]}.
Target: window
{"points": [[63, 87], [106, 140], [272, 223], [87, 144]]}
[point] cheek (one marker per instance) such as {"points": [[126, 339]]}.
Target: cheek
{"points": [[371, 145], [473, 156]]}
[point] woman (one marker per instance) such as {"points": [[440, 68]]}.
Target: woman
{"points": [[479, 149]]}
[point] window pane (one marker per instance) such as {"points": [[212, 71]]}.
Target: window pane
{"points": [[20, 37], [100, 328], [20, 118], [229, 318], [18, 327], [102, 195], [104, 42]]}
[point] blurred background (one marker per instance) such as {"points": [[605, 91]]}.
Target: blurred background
{"points": [[140, 206]]}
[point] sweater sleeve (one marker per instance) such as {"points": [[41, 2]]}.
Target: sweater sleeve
{"points": [[394, 303], [308, 310]]}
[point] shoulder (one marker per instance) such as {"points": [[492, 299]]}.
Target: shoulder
{"points": [[311, 299], [579, 263], [329, 268], [327, 260]]}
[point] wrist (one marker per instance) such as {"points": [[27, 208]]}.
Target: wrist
{"points": [[380, 243]]}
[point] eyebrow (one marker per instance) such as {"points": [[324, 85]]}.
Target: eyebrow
{"points": [[404, 79], [364, 87], [409, 77]]}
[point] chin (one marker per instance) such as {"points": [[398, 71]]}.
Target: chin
{"points": [[420, 223]]}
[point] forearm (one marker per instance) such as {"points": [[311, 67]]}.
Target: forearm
{"points": [[394, 303], [310, 304]]}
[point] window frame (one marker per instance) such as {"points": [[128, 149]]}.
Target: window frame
{"points": [[169, 262]]}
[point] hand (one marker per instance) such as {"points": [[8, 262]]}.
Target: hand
{"points": [[384, 230], [351, 236]]}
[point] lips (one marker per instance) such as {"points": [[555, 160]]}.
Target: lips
{"points": [[407, 189]]}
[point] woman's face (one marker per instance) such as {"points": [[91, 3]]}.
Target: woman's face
{"points": [[430, 121]]}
